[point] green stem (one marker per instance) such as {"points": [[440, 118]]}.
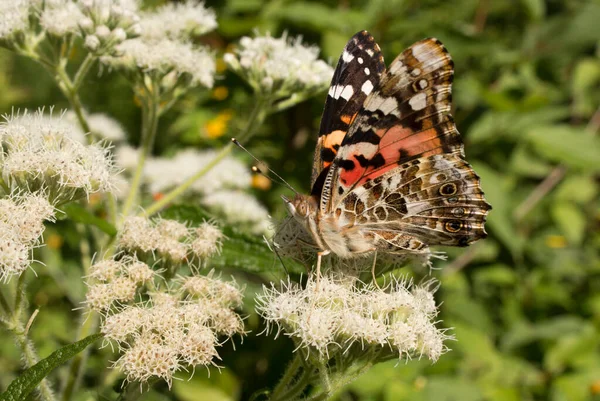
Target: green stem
{"points": [[290, 372], [78, 362], [27, 348], [257, 117], [83, 70], [149, 127]]}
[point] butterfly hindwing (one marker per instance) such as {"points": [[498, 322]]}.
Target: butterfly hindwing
{"points": [[435, 200], [404, 118], [358, 71]]}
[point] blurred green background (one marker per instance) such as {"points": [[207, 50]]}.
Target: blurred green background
{"points": [[524, 303]]}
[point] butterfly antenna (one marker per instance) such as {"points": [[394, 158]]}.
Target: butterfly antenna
{"points": [[258, 170]]}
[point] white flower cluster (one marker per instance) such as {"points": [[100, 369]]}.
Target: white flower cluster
{"points": [[101, 125], [175, 331], [239, 208], [107, 23], [169, 240], [178, 21], [21, 226], [40, 154], [15, 18], [279, 66], [163, 174], [115, 281], [338, 315], [164, 51], [102, 23]]}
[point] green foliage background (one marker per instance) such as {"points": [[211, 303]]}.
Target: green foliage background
{"points": [[524, 303]]}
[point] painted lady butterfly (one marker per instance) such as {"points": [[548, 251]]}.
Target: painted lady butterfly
{"points": [[389, 172]]}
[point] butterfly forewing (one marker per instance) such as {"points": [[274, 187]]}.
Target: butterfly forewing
{"points": [[358, 71], [400, 176]]}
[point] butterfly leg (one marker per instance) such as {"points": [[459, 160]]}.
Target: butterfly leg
{"points": [[320, 255], [373, 270]]}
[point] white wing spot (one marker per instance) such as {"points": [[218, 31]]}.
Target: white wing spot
{"points": [[387, 105], [360, 60], [370, 52], [423, 83], [347, 92], [367, 87], [423, 52], [347, 57], [367, 71], [418, 101]]}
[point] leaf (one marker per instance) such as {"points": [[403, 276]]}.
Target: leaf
{"points": [[79, 214], [23, 385], [240, 250], [566, 144], [571, 219]]}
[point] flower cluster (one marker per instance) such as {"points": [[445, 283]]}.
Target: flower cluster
{"points": [[21, 226], [178, 21], [169, 240], [175, 331], [115, 281], [102, 24], [239, 208], [163, 174], [279, 67], [40, 154], [163, 50], [336, 315]]}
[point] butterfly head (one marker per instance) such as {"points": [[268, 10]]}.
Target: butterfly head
{"points": [[302, 207]]}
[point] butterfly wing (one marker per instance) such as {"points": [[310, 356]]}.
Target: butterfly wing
{"points": [[358, 71], [401, 167]]}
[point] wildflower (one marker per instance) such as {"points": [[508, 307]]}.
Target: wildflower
{"points": [[239, 208], [208, 241], [279, 67], [178, 21], [106, 127], [217, 126], [15, 18], [116, 280], [126, 157], [61, 17], [40, 155], [172, 331], [163, 174], [21, 226], [163, 58], [339, 314]]}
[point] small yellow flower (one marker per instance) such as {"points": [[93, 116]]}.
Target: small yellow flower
{"points": [[54, 241], [556, 241], [220, 93], [220, 65], [217, 126]]}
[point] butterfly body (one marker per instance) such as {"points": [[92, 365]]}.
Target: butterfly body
{"points": [[389, 173]]}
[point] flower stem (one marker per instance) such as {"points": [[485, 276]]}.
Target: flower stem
{"points": [[27, 348], [257, 117], [149, 127], [290, 372]]}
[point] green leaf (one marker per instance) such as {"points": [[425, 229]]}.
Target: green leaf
{"points": [[79, 214], [23, 385], [571, 219], [240, 250], [566, 144]]}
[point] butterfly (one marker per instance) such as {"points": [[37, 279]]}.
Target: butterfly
{"points": [[389, 173]]}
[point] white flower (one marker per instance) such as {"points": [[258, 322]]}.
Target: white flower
{"points": [[178, 20], [21, 227], [14, 17], [106, 127], [339, 314], [279, 66], [167, 334], [61, 17], [126, 157], [163, 174], [239, 208], [208, 240], [163, 57], [40, 154]]}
